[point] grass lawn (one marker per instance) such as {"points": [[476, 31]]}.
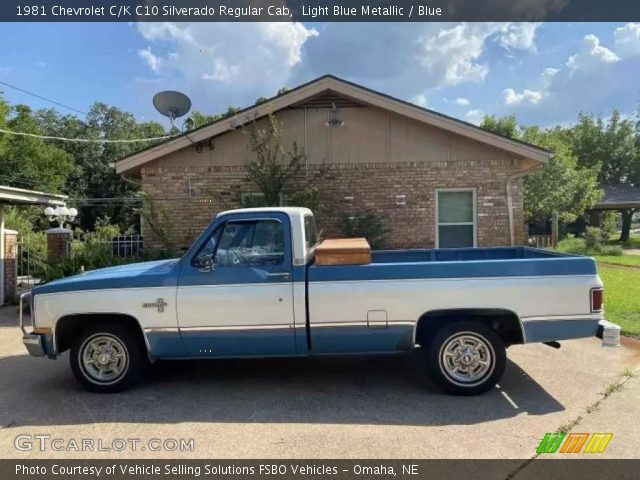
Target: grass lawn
{"points": [[622, 297], [628, 260]]}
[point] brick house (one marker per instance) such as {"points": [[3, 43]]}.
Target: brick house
{"points": [[438, 181]]}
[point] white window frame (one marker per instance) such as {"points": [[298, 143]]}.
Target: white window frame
{"points": [[475, 213]]}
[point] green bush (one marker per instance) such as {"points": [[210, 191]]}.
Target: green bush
{"points": [[582, 246], [367, 224], [610, 250], [90, 251], [593, 238]]}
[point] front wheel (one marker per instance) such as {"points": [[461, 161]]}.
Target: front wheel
{"points": [[466, 358], [106, 358]]}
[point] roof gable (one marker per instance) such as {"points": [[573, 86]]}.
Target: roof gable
{"points": [[321, 92]]}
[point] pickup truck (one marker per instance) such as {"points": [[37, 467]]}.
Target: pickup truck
{"points": [[249, 287]]}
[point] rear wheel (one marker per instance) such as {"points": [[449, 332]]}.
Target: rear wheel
{"points": [[466, 358], [106, 358]]}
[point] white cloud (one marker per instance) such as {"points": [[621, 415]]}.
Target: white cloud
{"points": [[594, 78], [225, 62], [511, 97], [519, 36], [591, 55], [151, 60], [463, 102], [548, 74], [475, 116], [627, 39], [420, 100], [453, 53]]}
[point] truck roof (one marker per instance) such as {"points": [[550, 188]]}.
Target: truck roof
{"points": [[292, 212]]}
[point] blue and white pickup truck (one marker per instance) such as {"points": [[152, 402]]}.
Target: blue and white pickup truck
{"points": [[248, 287]]}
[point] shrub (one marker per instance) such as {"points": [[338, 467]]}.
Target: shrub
{"points": [[593, 238], [610, 250], [367, 224], [580, 246]]}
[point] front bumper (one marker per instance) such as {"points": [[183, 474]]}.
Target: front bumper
{"points": [[35, 344], [609, 333]]}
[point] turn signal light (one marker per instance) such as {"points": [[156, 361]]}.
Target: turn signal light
{"points": [[42, 330], [597, 299]]}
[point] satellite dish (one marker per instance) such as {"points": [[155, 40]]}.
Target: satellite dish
{"points": [[171, 104]]}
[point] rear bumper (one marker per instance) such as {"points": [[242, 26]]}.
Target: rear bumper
{"points": [[553, 330], [609, 333]]}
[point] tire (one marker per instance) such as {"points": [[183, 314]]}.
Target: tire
{"points": [[107, 358], [466, 358]]}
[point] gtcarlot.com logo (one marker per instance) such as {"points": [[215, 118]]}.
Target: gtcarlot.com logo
{"points": [[46, 442]]}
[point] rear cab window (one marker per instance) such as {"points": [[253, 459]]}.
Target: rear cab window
{"points": [[310, 232]]}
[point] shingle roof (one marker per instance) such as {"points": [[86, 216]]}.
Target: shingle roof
{"points": [[619, 196]]}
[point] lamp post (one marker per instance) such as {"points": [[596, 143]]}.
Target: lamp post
{"points": [[61, 215]]}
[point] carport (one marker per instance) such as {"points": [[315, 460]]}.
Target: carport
{"points": [[19, 196], [625, 199]]}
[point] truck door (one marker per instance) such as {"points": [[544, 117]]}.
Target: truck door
{"points": [[235, 294]]}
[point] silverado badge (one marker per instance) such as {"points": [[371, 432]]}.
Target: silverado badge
{"points": [[159, 304]]}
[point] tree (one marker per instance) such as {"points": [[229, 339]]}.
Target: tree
{"points": [[94, 176], [200, 119], [561, 186], [30, 162], [274, 168], [613, 146], [505, 126]]}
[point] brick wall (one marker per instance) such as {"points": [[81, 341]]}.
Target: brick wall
{"points": [[10, 267], [58, 244], [193, 203]]}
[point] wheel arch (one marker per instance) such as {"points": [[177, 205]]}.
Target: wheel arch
{"points": [[67, 326], [504, 322]]}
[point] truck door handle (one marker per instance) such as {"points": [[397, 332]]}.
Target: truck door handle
{"points": [[284, 275]]}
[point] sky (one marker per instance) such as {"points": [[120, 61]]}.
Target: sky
{"points": [[545, 74]]}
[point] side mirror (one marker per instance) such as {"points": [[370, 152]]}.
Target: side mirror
{"points": [[205, 265]]}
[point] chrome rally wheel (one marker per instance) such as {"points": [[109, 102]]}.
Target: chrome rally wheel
{"points": [[467, 358], [104, 358]]}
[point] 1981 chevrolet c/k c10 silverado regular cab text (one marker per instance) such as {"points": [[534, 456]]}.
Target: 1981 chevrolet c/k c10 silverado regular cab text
{"points": [[248, 287]]}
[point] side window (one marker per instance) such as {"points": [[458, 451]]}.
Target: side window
{"points": [[251, 244]]}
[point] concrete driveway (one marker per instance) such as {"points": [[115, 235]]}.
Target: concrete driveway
{"points": [[358, 407]]}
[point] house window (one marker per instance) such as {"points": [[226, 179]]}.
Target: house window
{"points": [[455, 218]]}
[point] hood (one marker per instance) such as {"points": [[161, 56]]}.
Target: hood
{"points": [[135, 275]]}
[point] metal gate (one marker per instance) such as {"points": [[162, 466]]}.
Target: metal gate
{"points": [[29, 262]]}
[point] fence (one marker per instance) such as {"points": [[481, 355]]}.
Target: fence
{"points": [[125, 246], [32, 255], [540, 241]]}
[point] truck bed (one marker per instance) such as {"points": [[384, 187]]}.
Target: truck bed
{"points": [[457, 263]]}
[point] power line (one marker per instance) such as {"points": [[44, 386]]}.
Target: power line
{"points": [[85, 140], [43, 98]]}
